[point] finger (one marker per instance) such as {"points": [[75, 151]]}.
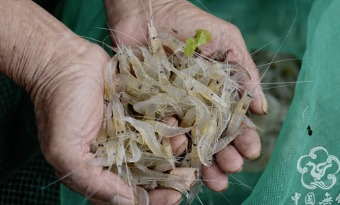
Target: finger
{"points": [[102, 185], [165, 196], [179, 143], [229, 159], [248, 143], [238, 53], [214, 178]]}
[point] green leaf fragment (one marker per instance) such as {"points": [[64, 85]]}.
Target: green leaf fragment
{"points": [[202, 37], [190, 46]]}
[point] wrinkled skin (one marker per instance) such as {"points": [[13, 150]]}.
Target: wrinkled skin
{"points": [[130, 28], [64, 76]]}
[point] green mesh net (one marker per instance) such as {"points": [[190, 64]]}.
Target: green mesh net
{"points": [[304, 167]]}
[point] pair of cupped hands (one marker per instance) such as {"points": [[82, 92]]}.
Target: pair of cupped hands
{"points": [[68, 100]]}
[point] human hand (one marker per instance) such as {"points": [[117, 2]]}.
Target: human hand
{"points": [[63, 74], [69, 113], [128, 21]]}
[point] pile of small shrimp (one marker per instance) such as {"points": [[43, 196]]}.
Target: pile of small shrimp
{"points": [[145, 85]]}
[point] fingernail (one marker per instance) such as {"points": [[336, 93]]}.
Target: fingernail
{"points": [[178, 202], [237, 171], [225, 189], [254, 157], [181, 149], [118, 199], [264, 103]]}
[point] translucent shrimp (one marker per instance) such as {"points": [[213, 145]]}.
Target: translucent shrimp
{"points": [[168, 150], [110, 128], [149, 63], [189, 118], [155, 43], [234, 123], [127, 98], [157, 175], [147, 176], [136, 65], [164, 166], [205, 79], [215, 85], [239, 114], [120, 155], [136, 153], [229, 91], [202, 111], [166, 130], [137, 88], [195, 86], [175, 185], [139, 70], [223, 118], [148, 135], [223, 142], [165, 85], [173, 91], [170, 41], [123, 61], [143, 196], [150, 158], [159, 100], [216, 70], [110, 79], [110, 150], [117, 113], [191, 71], [205, 153]]}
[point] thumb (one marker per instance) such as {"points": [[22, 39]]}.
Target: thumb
{"points": [[94, 182]]}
